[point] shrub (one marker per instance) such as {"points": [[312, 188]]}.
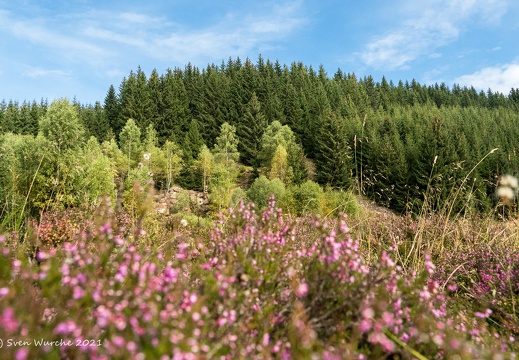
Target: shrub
{"points": [[307, 197], [339, 201], [263, 188]]}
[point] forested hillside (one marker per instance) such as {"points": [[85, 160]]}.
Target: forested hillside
{"points": [[394, 143]]}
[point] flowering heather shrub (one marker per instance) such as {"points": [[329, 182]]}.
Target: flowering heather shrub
{"points": [[58, 226], [490, 276], [258, 286]]}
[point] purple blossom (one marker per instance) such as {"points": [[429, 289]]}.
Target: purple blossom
{"points": [[8, 321]]}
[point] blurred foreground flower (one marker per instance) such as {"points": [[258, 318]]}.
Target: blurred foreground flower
{"points": [[507, 188]]}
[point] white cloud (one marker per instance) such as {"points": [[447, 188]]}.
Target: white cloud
{"points": [[498, 78], [39, 72], [236, 34], [427, 27], [104, 40], [43, 34]]}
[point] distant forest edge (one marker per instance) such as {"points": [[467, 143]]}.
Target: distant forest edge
{"points": [[396, 144]]}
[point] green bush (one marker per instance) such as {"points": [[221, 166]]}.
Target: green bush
{"points": [[263, 188], [307, 197], [334, 202]]}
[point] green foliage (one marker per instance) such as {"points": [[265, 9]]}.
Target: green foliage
{"points": [[193, 142], [98, 179], [112, 110], [277, 135], [226, 146], [130, 140], [116, 156], [174, 113], [204, 163], [279, 168], [163, 163], [61, 126], [389, 154], [172, 166], [307, 197], [136, 189], [250, 131], [336, 202], [222, 188], [332, 154], [262, 189]]}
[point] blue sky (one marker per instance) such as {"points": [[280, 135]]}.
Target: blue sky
{"points": [[55, 48]]}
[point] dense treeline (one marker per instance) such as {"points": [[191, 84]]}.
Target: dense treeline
{"points": [[395, 143]]}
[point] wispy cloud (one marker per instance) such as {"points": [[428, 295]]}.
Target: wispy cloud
{"points": [[43, 34], [427, 27], [498, 78], [39, 72], [235, 34], [101, 39]]}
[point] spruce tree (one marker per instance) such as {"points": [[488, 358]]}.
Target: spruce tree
{"points": [[111, 111], [249, 131], [193, 142], [175, 115], [332, 153]]}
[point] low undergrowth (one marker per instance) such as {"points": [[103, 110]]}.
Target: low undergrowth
{"points": [[256, 285]]}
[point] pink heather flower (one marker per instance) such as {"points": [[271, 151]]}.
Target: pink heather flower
{"points": [[474, 332], [405, 337], [368, 313], [265, 339], [21, 354], [380, 338], [8, 321], [195, 316], [480, 315], [232, 316], [66, 327], [120, 322], [302, 289], [3, 292], [118, 341], [398, 304], [452, 287], [181, 256], [365, 325], [387, 260], [387, 318], [77, 293], [48, 314], [193, 298], [17, 264], [429, 266], [131, 347]]}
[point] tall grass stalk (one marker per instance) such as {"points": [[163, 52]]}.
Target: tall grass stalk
{"points": [[455, 197], [20, 217], [417, 239]]}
